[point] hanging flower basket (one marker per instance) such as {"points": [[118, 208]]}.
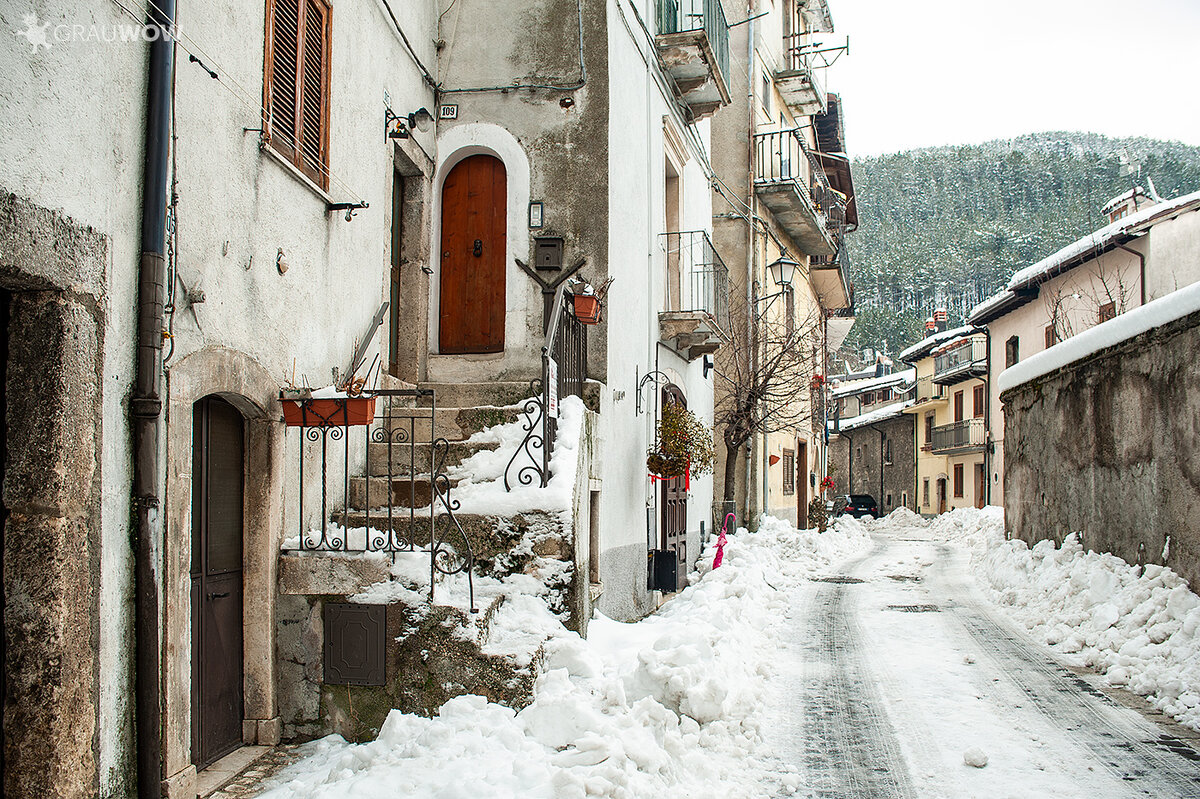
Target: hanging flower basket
{"points": [[683, 445], [328, 412], [587, 308]]}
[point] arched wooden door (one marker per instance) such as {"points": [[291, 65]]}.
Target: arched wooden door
{"points": [[472, 294], [218, 468], [673, 501]]}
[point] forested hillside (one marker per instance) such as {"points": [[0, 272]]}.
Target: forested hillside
{"points": [[947, 226]]}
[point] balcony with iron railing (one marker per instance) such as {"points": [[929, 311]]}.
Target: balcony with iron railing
{"points": [[696, 317], [789, 181], [966, 436], [693, 47], [929, 391], [963, 361], [798, 79]]}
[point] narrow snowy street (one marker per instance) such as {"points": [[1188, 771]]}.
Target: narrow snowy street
{"points": [[896, 667], [875, 660]]}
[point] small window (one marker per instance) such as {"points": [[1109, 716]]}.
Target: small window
{"points": [[904, 498], [928, 437], [978, 401], [1051, 336], [1108, 311], [296, 84], [925, 493], [958, 479], [887, 451], [789, 472], [889, 500], [868, 398], [1012, 351], [766, 93]]}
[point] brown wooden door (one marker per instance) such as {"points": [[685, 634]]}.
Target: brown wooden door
{"points": [[218, 457], [472, 295], [980, 485], [941, 495], [802, 485], [673, 500]]}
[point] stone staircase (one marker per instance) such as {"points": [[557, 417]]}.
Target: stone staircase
{"points": [[436, 652]]}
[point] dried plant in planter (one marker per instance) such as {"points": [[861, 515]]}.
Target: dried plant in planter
{"points": [[682, 444]]}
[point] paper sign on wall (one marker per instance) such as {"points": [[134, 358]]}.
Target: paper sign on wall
{"points": [[552, 376]]}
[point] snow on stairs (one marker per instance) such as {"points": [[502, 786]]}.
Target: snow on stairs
{"points": [[439, 650]]}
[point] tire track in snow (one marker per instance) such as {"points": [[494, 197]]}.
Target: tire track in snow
{"points": [[850, 746], [1130, 747]]}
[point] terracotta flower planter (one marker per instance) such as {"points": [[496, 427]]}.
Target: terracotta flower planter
{"points": [[587, 308], [333, 412]]}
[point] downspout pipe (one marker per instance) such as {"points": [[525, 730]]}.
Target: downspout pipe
{"points": [[1141, 269], [146, 403]]}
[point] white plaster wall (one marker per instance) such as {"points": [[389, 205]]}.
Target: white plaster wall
{"points": [[1174, 255], [71, 139], [637, 261]]}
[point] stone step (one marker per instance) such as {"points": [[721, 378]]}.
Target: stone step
{"points": [[414, 459], [490, 536], [452, 424], [496, 393], [405, 492]]}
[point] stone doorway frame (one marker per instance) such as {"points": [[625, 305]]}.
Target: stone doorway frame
{"points": [[248, 386]]}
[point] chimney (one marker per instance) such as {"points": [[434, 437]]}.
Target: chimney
{"points": [[930, 327], [941, 318]]}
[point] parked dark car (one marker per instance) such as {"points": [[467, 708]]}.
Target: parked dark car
{"points": [[857, 505]]}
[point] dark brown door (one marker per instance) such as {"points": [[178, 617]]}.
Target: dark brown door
{"points": [[980, 485], [941, 495], [218, 457], [472, 294], [673, 500], [802, 485], [397, 262]]}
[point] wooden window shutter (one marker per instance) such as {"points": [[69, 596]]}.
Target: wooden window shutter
{"points": [[297, 84]]}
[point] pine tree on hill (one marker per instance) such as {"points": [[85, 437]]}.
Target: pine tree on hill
{"points": [[947, 226]]}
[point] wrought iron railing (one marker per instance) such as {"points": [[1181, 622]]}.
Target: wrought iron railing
{"points": [[564, 372], [973, 350], [704, 278], [797, 54], [402, 500], [967, 434], [678, 16], [782, 156]]}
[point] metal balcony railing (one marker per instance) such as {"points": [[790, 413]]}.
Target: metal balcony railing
{"points": [[783, 156], [797, 54], [967, 434], [678, 16], [703, 279], [928, 390], [961, 357]]}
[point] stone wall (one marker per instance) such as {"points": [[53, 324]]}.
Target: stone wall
{"points": [[856, 453], [1107, 446]]}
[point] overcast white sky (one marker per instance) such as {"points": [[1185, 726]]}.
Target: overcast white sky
{"points": [[965, 71]]}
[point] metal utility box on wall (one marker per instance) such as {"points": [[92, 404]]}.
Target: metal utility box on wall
{"points": [[664, 568], [547, 253], [354, 644]]}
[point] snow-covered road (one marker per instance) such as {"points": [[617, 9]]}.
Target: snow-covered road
{"points": [[896, 666], [894, 659]]}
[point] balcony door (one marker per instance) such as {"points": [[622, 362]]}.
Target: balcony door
{"points": [[675, 244], [218, 458], [958, 406], [802, 485], [474, 241]]}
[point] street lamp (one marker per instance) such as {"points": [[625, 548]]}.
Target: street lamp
{"points": [[782, 272]]}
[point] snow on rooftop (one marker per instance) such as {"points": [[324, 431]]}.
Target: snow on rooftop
{"points": [[871, 417], [1129, 225], [1125, 326], [990, 304], [1137, 191], [936, 338], [848, 387]]}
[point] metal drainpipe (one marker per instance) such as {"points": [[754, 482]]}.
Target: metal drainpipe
{"points": [[1141, 269], [145, 407], [751, 238]]}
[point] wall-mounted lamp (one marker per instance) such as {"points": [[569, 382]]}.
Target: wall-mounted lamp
{"points": [[708, 365], [782, 272], [401, 126]]}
